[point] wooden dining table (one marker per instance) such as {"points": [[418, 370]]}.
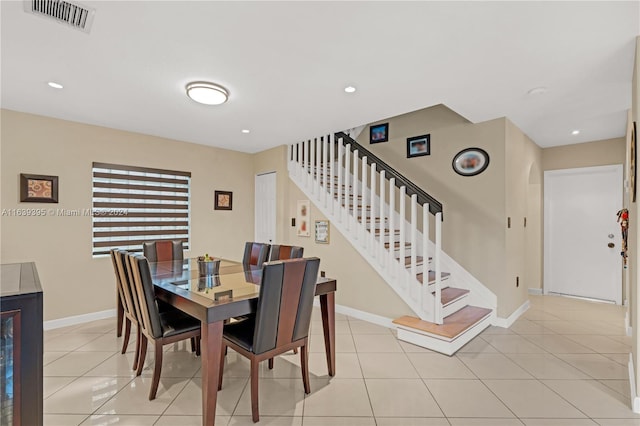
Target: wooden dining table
{"points": [[231, 291]]}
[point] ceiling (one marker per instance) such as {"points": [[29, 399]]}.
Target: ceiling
{"points": [[286, 64]]}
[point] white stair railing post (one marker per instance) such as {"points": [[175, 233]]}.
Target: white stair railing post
{"points": [[305, 154], [325, 170], [312, 157], [414, 243], [425, 258], [373, 212], [354, 195], [340, 170], [347, 185], [403, 236], [438, 303], [332, 181], [317, 169], [391, 254], [363, 207], [381, 224]]}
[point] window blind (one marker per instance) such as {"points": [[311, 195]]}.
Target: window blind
{"points": [[132, 205]]}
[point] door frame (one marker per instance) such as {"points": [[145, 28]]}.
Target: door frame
{"points": [[255, 207], [618, 169]]}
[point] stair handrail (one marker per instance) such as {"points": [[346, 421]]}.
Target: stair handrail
{"points": [[400, 180]]}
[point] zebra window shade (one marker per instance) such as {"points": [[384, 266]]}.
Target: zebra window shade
{"points": [[132, 205]]}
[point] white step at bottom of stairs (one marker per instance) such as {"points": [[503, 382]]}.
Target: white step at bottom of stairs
{"points": [[458, 329]]}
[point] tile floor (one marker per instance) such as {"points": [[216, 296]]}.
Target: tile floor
{"points": [[564, 362]]}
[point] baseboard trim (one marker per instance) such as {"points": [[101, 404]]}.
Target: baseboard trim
{"points": [[362, 315], [506, 322], [635, 400], [78, 319], [535, 291]]}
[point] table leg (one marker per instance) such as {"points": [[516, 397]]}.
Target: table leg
{"points": [[328, 309], [211, 340], [120, 315]]}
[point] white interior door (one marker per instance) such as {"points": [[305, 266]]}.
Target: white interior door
{"points": [[580, 222], [265, 214]]}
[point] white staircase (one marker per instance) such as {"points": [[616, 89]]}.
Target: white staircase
{"points": [[387, 219]]}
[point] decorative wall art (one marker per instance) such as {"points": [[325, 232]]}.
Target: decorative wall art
{"points": [[38, 188], [470, 161], [302, 218], [418, 146], [379, 133], [322, 231], [223, 200]]}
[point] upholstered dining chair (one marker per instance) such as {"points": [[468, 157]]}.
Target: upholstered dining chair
{"points": [[255, 254], [282, 252], [163, 250], [128, 300], [162, 328], [280, 323]]}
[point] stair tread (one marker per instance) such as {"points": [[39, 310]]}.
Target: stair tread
{"points": [[397, 244], [451, 294], [432, 276], [386, 231], [454, 325], [407, 260]]}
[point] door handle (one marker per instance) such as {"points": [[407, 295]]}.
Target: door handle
{"points": [[611, 245]]}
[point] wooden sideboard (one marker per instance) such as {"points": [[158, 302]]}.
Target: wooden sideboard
{"points": [[20, 345]]}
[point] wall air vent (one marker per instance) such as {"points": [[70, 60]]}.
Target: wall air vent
{"points": [[73, 14]]}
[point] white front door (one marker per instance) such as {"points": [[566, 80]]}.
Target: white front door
{"points": [[580, 223], [265, 214]]}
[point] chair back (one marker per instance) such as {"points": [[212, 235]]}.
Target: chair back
{"points": [[163, 251], [127, 296], [283, 314], [255, 253], [282, 252], [149, 315]]}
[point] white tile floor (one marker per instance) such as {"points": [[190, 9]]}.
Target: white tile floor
{"points": [[563, 363]]}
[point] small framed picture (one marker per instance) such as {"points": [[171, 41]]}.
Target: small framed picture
{"points": [[302, 218], [322, 231], [223, 200], [418, 146], [379, 133], [38, 188], [470, 161]]}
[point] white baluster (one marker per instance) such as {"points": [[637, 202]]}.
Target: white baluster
{"points": [[373, 212], [363, 208], [354, 194], [425, 256], [391, 257], [333, 162], [305, 153], [347, 184], [381, 225], [317, 173], [340, 171], [312, 164], [325, 170], [414, 243], [438, 302], [403, 235]]}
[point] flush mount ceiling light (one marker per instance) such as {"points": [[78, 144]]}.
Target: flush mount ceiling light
{"points": [[55, 85], [207, 93], [349, 89], [246, 131], [575, 132]]}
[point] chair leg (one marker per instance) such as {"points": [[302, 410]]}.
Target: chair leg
{"points": [[223, 350], [156, 370], [127, 333], [295, 350], [198, 346], [143, 353], [193, 344], [304, 363], [137, 357], [254, 390], [270, 363]]}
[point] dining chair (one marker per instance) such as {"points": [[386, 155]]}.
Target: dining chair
{"points": [[163, 250], [280, 323], [129, 302], [255, 254], [162, 328], [282, 252]]}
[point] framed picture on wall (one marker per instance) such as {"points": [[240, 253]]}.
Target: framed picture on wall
{"points": [[322, 231], [38, 188], [470, 162], [379, 133], [223, 200], [302, 218], [418, 146]]}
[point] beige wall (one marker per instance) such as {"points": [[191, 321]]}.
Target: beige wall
{"points": [[74, 282], [598, 153]]}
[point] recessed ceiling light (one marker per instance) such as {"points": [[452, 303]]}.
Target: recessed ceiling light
{"points": [[349, 89], [538, 91], [575, 132], [207, 93], [246, 131], [55, 85]]}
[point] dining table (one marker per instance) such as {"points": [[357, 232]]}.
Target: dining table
{"points": [[217, 291]]}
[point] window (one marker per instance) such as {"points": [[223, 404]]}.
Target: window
{"points": [[132, 205]]}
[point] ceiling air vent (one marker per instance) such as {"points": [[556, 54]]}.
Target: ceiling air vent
{"points": [[73, 14]]}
